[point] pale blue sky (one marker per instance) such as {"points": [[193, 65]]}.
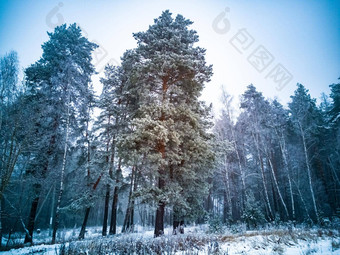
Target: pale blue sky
{"points": [[302, 36]]}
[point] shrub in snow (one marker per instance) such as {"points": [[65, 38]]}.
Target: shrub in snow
{"points": [[238, 228], [215, 225], [252, 214]]}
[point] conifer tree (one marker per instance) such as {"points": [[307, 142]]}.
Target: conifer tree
{"points": [[170, 124], [305, 117], [60, 81]]}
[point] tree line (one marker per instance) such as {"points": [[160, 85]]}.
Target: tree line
{"points": [[277, 163], [153, 152]]}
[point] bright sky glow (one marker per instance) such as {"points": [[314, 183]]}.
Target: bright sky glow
{"points": [[299, 40]]}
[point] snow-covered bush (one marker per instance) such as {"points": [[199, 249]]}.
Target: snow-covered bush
{"points": [[215, 225], [238, 228], [252, 214]]}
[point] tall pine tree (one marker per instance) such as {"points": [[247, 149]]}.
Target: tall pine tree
{"points": [[61, 82], [170, 124]]}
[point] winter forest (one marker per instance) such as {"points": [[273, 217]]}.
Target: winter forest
{"points": [[146, 167]]}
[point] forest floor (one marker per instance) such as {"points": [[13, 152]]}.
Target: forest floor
{"points": [[196, 240]]}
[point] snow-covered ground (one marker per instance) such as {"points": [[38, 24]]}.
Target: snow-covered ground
{"points": [[196, 240], [262, 245]]}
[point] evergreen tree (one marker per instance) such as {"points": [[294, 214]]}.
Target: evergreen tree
{"points": [[305, 117], [335, 96], [334, 158], [112, 123], [60, 81], [170, 123], [252, 215], [334, 122], [256, 110]]}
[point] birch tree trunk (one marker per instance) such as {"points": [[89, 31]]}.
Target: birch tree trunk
{"points": [[309, 173], [227, 187], [276, 184], [52, 211], [270, 212], [227, 100], [283, 149], [244, 197], [61, 188], [303, 201]]}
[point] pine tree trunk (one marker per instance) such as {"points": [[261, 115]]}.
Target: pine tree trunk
{"points": [[83, 226], [37, 187], [113, 224], [126, 223], [33, 211], [133, 201], [108, 187], [175, 226], [309, 174], [178, 227], [159, 222], [209, 206], [106, 209], [336, 183], [178, 223], [127, 219], [142, 215], [87, 211], [225, 206]]}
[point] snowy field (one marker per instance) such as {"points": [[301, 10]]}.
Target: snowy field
{"points": [[196, 240]]}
